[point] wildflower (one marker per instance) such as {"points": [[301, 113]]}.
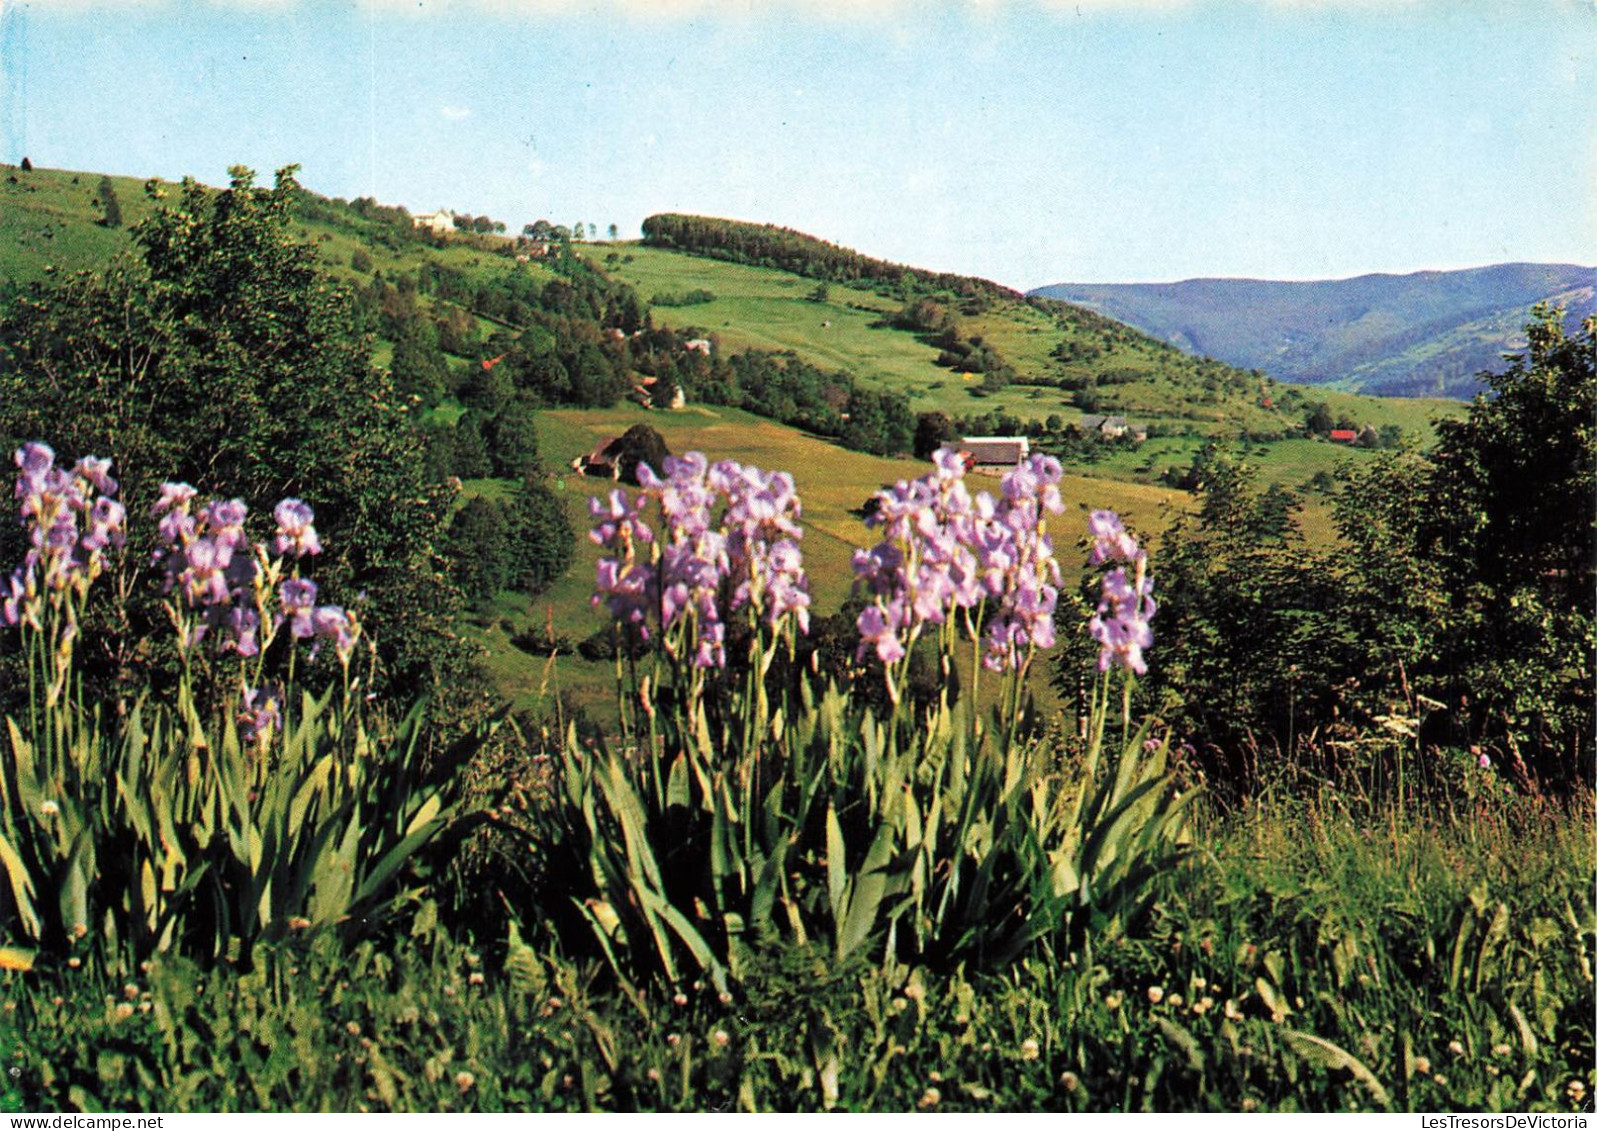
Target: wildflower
{"points": [[48, 808], [1112, 1001], [1456, 1047], [1029, 1049], [332, 623], [1203, 1005], [124, 1010], [1576, 1091], [1110, 542], [1501, 1050], [679, 999], [673, 1039], [1121, 624], [654, 1075], [1177, 1001], [464, 1081], [1484, 762], [295, 533], [931, 1097], [297, 596], [97, 472], [721, 1038], [1441, 1081], [475, 978], [130, 991], [1422, 1065], [1155, 994], [1250, 1104], [943, 550], [1069, 1081]]}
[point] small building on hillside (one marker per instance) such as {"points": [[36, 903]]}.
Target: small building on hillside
{"points": [[991, 451], [1109, 427], [604, 462], [698, 345], [1343, 436], [438, 223]]}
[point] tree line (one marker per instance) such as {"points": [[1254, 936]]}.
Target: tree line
{"points": [[766, 245]]}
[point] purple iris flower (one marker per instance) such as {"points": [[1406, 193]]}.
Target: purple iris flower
{"points": [[295, 533]]}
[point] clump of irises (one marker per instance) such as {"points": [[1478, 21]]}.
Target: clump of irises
{"points": [[73, 518], [220, 586], [949, 560], [1120, 625], [728, 544], [218, 581]]}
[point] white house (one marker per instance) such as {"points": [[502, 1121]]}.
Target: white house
{"points": [[439, 223]]}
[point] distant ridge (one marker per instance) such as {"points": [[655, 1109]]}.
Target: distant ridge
{"points": [[1429, 333]]}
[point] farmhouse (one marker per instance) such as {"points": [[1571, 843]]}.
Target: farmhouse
{"points": [[991, 451], [1343, 436], [1110, 427], [439, 223]]}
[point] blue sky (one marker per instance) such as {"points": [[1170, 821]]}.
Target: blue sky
{"points": [[1028, 141]]}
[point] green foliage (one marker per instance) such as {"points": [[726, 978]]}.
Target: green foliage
{"points": [[167, 829], [525, 544], [418, 366], [542, 542], [1462, 599], [1516, 538], [761, 806], [638, 445], [221, 355], [512, 438], [1332, 964], [768, 246], [1250, 638], [696, 297], [932, 431]]}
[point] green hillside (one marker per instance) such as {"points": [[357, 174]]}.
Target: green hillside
{"points": [[573, 332], [1064, 362]]}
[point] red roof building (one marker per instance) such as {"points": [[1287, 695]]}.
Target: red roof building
{"points": [[1343, 435]]}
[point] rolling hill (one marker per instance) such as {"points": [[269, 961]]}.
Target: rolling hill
{"points": [[976, 352], [1425, 334]]}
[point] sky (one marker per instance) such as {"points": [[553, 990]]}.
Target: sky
{"points": [[1025, 141]]}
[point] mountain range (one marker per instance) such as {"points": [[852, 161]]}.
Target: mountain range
{"points": [[1430, 333]]}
